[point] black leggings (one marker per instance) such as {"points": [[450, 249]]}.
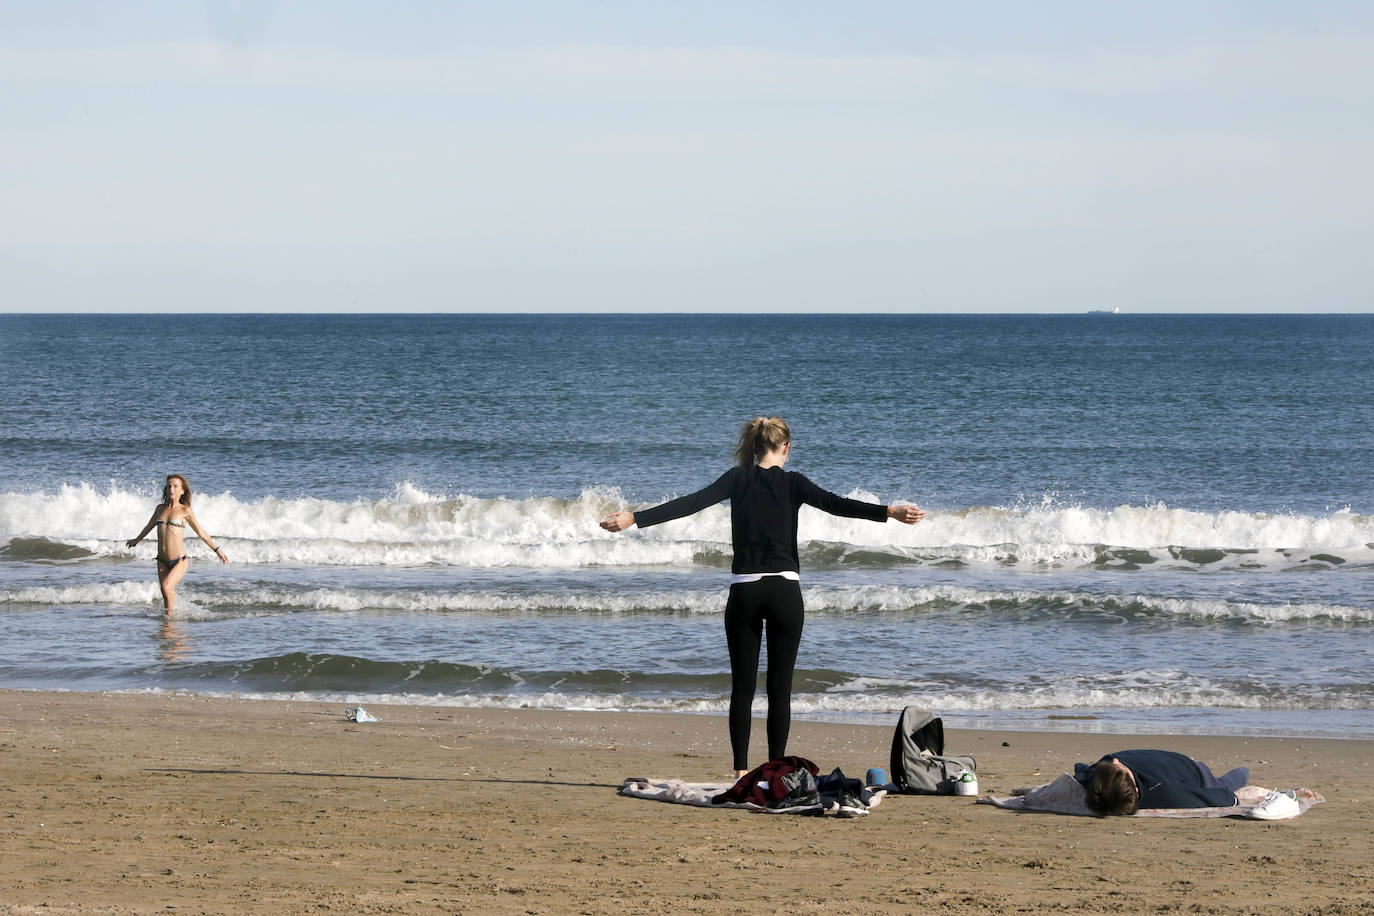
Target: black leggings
{"points": [[777, 601]]}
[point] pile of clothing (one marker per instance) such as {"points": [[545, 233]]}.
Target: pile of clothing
{"points": [[793, 785]]}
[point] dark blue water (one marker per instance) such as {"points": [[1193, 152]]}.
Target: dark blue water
{"points": [[1255, 413], [1164, 521]]}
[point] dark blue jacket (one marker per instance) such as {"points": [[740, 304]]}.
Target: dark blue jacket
{"points": [[1168, 779]]}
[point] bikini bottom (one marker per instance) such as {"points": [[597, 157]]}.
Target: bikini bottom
{"points": [[166, 566]]}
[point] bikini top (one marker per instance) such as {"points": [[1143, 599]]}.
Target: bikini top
{"points": [[164, 522]]}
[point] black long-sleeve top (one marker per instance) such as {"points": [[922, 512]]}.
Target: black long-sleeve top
{"points": [[764, 503]]}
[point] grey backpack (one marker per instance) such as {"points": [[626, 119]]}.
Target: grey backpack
{"points": [[918, 761]]}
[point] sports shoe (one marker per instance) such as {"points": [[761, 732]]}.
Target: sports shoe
{"points": [[843, 796], [850, 805], [801, 794], [1276, 806]]}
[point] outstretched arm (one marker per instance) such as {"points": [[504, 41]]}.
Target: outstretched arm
{"points": [[132, 542], [674, 508], [835, 504], [195, 526]]}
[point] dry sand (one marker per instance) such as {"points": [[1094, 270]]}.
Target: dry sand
{"points": [[136, 803]]}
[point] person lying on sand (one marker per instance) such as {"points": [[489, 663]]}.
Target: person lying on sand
{"points": [[1121, 783]]}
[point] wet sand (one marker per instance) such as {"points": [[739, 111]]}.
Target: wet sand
{"points": [[135, 803]]}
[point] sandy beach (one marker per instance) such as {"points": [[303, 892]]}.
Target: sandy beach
{"points": [[134, 803]]}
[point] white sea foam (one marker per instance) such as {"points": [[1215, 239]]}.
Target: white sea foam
{"points": [[874, 599], [102, 594], [415, 528], [1145, 689], [1171, 693], [133, 598]]}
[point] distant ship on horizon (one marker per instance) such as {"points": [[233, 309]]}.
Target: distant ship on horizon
{"points": [[1114, 310]]}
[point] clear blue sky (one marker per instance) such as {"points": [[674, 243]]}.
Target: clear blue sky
{"points": [[777, 156]]}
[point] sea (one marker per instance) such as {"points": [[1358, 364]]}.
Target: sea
{"points": [[1137, 523]]}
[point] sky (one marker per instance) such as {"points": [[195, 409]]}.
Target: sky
{"points": [[579, 156]]}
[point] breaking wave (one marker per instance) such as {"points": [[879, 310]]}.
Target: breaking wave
{"points": [[414, 528]]}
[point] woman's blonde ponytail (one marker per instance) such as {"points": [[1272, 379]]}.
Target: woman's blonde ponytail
{"points": [[760, 436]]}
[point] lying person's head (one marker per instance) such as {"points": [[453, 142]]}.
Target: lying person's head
{"points": [[1112, 788]]}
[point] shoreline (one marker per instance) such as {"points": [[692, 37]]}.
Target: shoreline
{"points": [[119, 802], [1055, 723]]}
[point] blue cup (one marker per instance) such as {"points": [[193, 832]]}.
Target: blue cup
{"points": [[876, 777]]}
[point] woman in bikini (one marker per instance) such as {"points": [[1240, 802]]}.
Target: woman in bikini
{"points": [[765, 589], [170, 519]]}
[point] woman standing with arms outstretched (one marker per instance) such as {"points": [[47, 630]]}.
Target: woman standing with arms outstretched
{"points": [[765, 586], [170, 518]]}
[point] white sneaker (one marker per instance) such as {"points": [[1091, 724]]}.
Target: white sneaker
{"points": [[1276, 806]]}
